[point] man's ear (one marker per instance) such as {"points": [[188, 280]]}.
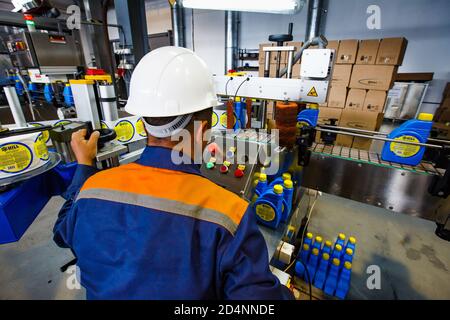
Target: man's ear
{"points": [[200, 130]]}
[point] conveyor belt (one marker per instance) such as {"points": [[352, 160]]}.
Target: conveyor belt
{"points": [[372, 158]]}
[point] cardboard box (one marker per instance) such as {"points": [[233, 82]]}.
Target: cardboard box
{"points": [[348, 49], [262, 53], [391, 51], [442, 114], [443, 130], [358, 120], [367, 51], [325, 114], [336, 97], [272, 70], [273, 54], [333, 44], [355, 99], [373, 77], [341, 75], [375, 101], [296, 71]]}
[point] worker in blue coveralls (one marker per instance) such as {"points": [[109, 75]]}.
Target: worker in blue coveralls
{"points": [[157, 229]]}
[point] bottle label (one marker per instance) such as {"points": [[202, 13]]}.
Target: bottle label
{"points": [[223, 120], [45, 133], [405, 150], [124, 130], [265, 212], [40, 148], [15, 157], [140, 129]]}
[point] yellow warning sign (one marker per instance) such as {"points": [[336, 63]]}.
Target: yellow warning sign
{"points": [[312, 92]]}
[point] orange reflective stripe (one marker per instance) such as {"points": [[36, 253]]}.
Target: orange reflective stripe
{"points": [[173, 185]]}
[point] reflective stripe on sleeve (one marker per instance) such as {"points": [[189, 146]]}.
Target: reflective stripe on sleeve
{"points": [[161, 204]]}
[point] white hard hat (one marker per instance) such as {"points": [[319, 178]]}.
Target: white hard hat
{"points": [[170, 81]]}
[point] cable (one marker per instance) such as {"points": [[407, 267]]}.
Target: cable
{"points": [[226, 85], [239, 87], [192, 31]]}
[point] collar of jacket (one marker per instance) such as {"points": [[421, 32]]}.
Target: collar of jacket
{"points": [[160, 157]]}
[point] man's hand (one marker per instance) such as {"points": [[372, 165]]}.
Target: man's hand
{"points": [[85, 150]]}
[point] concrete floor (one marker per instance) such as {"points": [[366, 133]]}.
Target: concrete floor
{"points": [[414, 263]]}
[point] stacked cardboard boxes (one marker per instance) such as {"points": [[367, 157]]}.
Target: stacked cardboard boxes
{"points": [[442, 116], [364, 71]]}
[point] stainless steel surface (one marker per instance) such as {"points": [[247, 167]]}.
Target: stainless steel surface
{"points": [[178, 27], [111, 150], [231, 39], [53, 161], [289, 66], [404, 100], [108, 102], [397, 190], [15, 106], [379, 138], [86, 103], [315, 11]]}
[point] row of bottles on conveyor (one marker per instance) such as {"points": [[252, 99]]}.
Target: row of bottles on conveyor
{"points": [[272, 202], [329, 267]]}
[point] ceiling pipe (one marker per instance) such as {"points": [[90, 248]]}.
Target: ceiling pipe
{"points": [[231, 39], [178, 26], [315, 8]]}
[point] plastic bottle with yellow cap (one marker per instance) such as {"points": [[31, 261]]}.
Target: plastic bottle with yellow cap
{"points": [[321, 274], [351, 243], [332, 279], [412, 131], [318, 242], [343, 284], [340, 240], [313, 262], [304, 252], [288, 195], [308, 238], [269, 206], [327, 247], [337, 252]]}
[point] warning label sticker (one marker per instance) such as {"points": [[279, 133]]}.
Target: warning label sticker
{"points": [[15, 157], [140, 129], [312, 92], [405, 150], [124, 130]]}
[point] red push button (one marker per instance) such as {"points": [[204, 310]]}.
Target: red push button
{"points": [[238, 173], [223, 169]]}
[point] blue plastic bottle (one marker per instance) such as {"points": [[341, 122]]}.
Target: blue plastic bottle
{"points": [[268, 207], [337, 252], [68, 96], [343, 284], [327, 247], [340, 240], [299, 269], [308, 117], [304, 253], [348, 255], [288, 194], [19, 87], [318, 243], [32, 87], [48, 93], [261, 187], [321, 274], [238, 111], [313, 262], [308, 239], [351, 243], [331, 281], [415, 130]]}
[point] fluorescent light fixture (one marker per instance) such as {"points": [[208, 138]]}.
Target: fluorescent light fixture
{"points": [[267, 6]]}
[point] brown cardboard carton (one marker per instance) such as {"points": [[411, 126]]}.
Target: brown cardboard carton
{"points": [[341, 75], [391, 51], [262, 53], [272, 70], [358, 120], [355, 99], [325, 114], [333, 44], [348, 49], [367, 51], [336, 97], [296, 70], [443, 130], [442, 114], [374, 77], [374, 101]]}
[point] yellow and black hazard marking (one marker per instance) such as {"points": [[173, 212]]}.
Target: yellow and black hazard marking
{"points": [[312, 92]]}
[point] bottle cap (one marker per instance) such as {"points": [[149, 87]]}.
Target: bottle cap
{"points": [[347, 265], [256, 175], [425, 116], [262, 177], [227, 163], [319, 239], [349, 251], [255, 183], [336, 262], [288, 184], [328, 243], [305, 247], [239, 173], [352, 240], [315, 251], [309, 235], [338, 247], [313, 106], [341, 236], [286, 176], [326, 256], [278, 189]]}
